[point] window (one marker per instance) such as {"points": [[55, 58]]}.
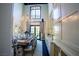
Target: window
{"points": [[35, 12]]}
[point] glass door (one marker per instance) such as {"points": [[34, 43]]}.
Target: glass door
{"points": [[36, 31], [32, 30]]}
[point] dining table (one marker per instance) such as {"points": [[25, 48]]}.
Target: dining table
{"points": [[24, 42]]}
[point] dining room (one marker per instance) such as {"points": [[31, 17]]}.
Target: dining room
{"points": [[28, 29]]}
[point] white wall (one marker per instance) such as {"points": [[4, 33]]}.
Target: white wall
{"points": [[50, 9], [44, 15], [68, 8], [17, 12], [6, 23], [68, 33], [70, 27], [44, 11]]}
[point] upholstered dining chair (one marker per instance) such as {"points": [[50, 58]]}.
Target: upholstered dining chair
{"points": [[30, 48]]}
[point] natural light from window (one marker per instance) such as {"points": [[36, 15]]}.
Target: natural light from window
{"points": [[35, 12]]}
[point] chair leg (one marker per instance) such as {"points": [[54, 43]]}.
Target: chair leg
{"points": [[32, 52]]}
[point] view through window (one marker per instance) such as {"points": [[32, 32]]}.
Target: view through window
{"points": [[35, 12]]}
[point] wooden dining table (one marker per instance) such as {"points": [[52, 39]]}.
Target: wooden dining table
{"points": [[24, 43]]}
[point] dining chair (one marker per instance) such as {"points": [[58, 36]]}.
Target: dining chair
{"points": [[30, 48]]}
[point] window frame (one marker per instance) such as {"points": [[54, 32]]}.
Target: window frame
{"points": [[35, 12]]}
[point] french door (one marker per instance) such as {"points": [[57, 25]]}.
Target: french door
{"points": [[36, 30]]}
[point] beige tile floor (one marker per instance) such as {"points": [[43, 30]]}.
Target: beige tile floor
{"points": [[38, 50]]}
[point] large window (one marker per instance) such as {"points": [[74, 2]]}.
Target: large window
{"points": [[35, 12]]}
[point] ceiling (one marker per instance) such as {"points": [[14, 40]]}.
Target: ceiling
{"points": [[33, 3]]}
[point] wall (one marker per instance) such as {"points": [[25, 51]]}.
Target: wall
{"points": [[6, 23], [17, 12], [50, 10], [44, 11], [68, 8], [18, 18], [44, 15], [49, 27], [68, 26]]}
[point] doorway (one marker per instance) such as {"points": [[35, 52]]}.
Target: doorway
{"points": [[35, 29]]}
